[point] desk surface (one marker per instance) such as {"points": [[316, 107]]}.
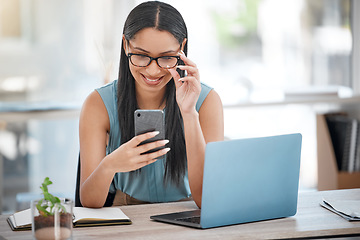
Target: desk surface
{"points": [[311, 220]]}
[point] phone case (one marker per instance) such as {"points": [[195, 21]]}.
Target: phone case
{"points": [[149, 121]]}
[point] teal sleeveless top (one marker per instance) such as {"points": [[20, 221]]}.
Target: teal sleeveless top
{"points": [[148, 185]]}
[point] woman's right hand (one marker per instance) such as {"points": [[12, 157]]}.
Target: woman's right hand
{"points": [[129, 156]]}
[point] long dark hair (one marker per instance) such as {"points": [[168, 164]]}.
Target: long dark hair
{"points": [[163, 17]]}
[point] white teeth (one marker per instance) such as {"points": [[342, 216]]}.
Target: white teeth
{"points": [[152, 80]]}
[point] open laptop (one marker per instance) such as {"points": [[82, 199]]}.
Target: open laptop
{"points": [[246, 180]]}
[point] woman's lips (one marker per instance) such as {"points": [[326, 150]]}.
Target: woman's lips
{"points": [[152, 81]]}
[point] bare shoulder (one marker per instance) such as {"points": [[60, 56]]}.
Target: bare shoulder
{"points": [[212, 102], [211, 117], [94, 111], [93, 101]]}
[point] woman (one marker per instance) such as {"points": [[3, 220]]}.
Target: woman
{"points": [[154, 43]]}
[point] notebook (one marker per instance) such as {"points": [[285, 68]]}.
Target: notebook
{"points": [[82, 217], [246, 180]]}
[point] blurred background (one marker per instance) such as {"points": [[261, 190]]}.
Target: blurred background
{"points": [[275, 64]]}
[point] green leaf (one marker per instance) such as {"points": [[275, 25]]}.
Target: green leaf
{"points": [[53, 200]]}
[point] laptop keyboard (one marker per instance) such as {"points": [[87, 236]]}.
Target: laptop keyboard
{"points": [[195, 219]]}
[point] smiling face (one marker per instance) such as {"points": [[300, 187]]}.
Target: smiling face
{"points": [[153, 43]]}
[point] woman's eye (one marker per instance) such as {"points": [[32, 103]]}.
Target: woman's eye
{"points": [[143, 56]]}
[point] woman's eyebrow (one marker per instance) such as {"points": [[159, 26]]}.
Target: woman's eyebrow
{"points": [[145, 51], [170, 51], [140, 49]]}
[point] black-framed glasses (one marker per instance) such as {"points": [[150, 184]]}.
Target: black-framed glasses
{"points": [[140, 60]]}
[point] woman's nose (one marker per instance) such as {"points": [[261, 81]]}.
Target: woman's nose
{"points": [[153, 69]]}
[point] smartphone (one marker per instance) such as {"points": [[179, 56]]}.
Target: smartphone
{"points": [[150, 121]]}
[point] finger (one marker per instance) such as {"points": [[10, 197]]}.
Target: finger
{"points": [[186, 60], [190, 70], [143, 164], [149, 157], [174, 73], [190, 80], [135, 141], [175, 76], [149, 146], [150, 161]]}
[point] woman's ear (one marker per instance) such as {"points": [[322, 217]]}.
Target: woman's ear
{"points": [[125, 45], [183, 44]]}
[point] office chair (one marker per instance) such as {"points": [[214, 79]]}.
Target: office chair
{"points": [[109, 199]]}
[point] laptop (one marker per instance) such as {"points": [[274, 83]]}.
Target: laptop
{"points": [[246, 180]]}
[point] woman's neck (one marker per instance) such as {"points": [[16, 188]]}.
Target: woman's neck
{"points": [[150, 100]]}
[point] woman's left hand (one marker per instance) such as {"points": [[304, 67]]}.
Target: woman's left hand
{"points": [[188, 88]]}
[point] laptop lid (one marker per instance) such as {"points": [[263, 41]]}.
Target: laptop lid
{"points": [[248, 180]]}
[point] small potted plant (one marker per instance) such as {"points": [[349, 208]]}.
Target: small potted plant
{"points": [[51, 216]]}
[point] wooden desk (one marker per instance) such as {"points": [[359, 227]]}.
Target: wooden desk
{"points": [[310, 221]]}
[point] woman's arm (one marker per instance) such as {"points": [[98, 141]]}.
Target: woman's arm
{"points": [[97, 169], [95, 177], [207, 126], [200, 128]]}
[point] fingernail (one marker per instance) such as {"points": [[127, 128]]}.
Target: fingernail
{"points": [[180, 80], [156, 133], [166, 141], [180, 66], [182, 52], [166, 150]]}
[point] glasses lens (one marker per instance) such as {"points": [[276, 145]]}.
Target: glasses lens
{"points": [[140, 60], [167, 62]]}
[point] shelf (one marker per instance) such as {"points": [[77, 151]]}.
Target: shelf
{"points": [[329, 177], [22, 111], [301, 100]]}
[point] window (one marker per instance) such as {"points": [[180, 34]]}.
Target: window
{"points": [[250, 51]]}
